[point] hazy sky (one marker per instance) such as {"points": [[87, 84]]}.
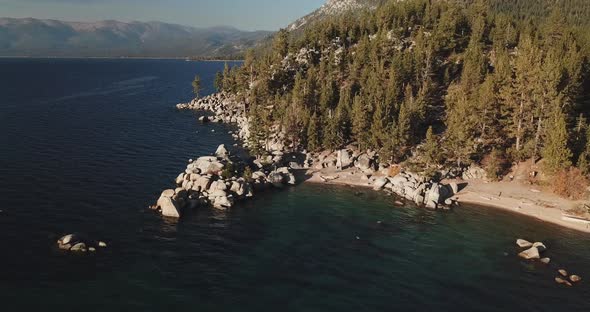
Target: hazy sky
{"points": [[244, 14]]}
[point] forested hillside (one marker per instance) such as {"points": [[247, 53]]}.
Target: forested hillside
{"points": [[434, 82]]}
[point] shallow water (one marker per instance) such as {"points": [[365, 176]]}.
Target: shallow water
{"points": [[86, 145]]}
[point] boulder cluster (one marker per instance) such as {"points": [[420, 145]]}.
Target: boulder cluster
{"points": [[367, 162], [193, 188], [431, 194], [226, 108], [78, 243], [411, 186], [214, 181], [533, 251]]}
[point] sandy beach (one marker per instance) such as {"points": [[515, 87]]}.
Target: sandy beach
{"points": [[514, 196]]}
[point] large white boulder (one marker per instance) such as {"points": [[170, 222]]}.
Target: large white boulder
{"points": [[290, 178], [380, 183], [223, 202], [209, 165], [344, 159], [529, 254], [365, 163], [222, 151], [168, 207], [398, 181], [201, 184], [168, 193], [522, 243], [180, 179]]}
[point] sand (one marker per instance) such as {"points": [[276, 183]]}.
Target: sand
{"points": [[516, 197]]}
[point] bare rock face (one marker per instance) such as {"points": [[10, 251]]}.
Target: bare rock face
{"points": [[331, 8]]}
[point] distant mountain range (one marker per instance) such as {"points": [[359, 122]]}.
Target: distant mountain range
{"points": [[36, 37]]}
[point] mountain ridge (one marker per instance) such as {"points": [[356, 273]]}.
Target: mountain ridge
{"points": [[331, 8], [49, 37]]}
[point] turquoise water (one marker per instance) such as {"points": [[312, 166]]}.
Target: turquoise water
{"points": [[88, 148]]}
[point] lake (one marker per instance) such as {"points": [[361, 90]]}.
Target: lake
{"points": [[88, 144]]}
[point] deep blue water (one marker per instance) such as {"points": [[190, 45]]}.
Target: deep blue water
{"points": [[87, 145]]}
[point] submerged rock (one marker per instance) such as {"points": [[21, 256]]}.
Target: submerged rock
{"points": [[276, 179], [68, 239], [79, 247], [560, 280], [540, 246]]}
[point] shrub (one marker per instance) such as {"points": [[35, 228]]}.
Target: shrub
{"points": [[247, 175], [228, 171], [494, 165], [570, 183]]}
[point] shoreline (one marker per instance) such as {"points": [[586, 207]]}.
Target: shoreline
{"points": [[174, 58], [544, 208], [349, 167]]}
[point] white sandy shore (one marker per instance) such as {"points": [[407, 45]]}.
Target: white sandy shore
{"points": [[511, 196]]}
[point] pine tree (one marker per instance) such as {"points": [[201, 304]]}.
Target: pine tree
{"points": [[197, 85], [218, 82], [403, 125], [431, 149], [360, 122], [258, 133], [556, 153], [584, 159], [280, 45], [313, 134]]}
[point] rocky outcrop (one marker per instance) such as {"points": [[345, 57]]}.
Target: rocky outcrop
{"points": [[226, 108], [530, 254], [533, 251], [79, 243], [207, 181], [474, 173], [415, 188]]}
